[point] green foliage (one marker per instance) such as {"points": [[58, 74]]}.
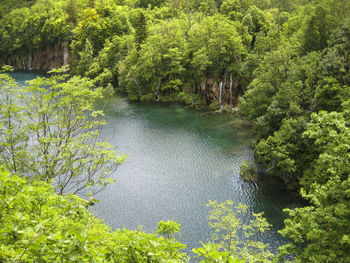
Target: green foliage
{"points": [[98, 25], [210, 253], [248, 172], [320, 232], [140, 29], [50, 129], [150, 3], [191, 99], [329, 136], [7, 5], [254, 20], [227, 227], [37, 225], [212, 40], [72, 10], [173, 48], [156, 69], [318, 28], [304, 153], [281, 152], [216, 43], [168, 228], [85, 58], [228, 109], [27, 29], [292, 81], [270, 75], [214, 106], [336, 59], [331, 95]]}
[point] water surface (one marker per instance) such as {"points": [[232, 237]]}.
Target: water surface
{"points": [[179, 159]]}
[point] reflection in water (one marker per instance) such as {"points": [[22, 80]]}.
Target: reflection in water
{"points": [[179, 159]]}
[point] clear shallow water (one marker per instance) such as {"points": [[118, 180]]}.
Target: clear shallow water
{"points": [[179, 159]]}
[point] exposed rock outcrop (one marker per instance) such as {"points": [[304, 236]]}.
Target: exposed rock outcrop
{"points": [[42, 59], [230, 90]]}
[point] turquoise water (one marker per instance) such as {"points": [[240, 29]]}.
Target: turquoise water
{"points": [[179, 159]]}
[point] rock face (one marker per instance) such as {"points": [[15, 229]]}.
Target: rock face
{"points": [[230, 90], [43, 59]]}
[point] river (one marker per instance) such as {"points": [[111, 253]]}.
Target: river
{"points": [[179, 159]]}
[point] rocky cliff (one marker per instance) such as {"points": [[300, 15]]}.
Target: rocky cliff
{"points": [[224, 92], [42, 59]]}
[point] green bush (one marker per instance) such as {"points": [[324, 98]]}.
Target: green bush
{"points": [[38, 225], [214, 106], [248, 172]]}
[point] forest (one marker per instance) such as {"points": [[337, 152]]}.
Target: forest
{"points": [[284, 65]]}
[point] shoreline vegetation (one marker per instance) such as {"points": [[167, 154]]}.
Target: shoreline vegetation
{"points": [[284, 65]]}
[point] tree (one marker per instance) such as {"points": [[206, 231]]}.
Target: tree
{"points": [[254, 20], [7, 5], [159, 65], [331, 95], [217, 42], [50, 131], [72, 9], [85, 59], [283, 153], [329, 139], [271, 73], [225, 220], [236, 9], [337, 57], [99, 25], [140, 29], [38, 225], [151, 3], [317, 29], [321, 231], [209, 253]]}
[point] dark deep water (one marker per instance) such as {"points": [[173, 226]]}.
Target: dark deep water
{"points": [[179, 159]]}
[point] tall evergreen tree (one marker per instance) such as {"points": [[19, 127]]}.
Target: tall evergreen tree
{"points": [[140, 29]]}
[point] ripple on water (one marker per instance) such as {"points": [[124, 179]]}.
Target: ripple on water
{"points": [[179, 160]]}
